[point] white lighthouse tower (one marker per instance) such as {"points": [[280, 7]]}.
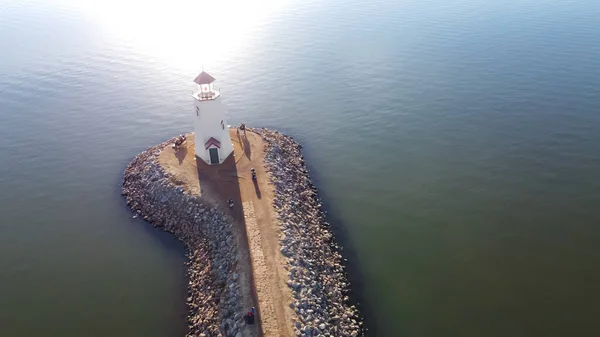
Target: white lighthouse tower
{"points": [[212, 141]]}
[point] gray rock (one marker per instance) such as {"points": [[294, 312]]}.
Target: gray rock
{"points": [[316, 271]]}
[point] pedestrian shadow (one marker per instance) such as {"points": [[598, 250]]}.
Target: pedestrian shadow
{"points": [[247, 148], [180, 154], [256, 188]]}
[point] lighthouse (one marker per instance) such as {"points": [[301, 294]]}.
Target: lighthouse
{"points": [[212, 141]]}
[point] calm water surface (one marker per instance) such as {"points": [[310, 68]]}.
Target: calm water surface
{"points": [[456, 145]]}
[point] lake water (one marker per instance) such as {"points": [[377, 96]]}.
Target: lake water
{"points": [[456, 145]]}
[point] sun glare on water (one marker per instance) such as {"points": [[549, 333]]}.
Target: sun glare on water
{"points": [[184, 33]]}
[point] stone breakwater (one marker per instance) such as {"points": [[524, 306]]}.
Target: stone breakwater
{"points": [[316, 272], [205, 230]]}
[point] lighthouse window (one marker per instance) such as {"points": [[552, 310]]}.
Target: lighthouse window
{"points": [[197, 111], [222, 125]]}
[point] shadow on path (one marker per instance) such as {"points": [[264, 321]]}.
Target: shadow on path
{"points": [[247, 147], [219, 183], [180, 154], [256, 188]]}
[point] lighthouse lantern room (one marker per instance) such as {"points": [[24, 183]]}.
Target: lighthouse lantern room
{"points": [[212, 140]]}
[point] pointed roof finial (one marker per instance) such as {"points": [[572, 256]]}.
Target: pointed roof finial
{"points": [[204, 78]]}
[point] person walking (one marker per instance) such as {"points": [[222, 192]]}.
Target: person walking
{"points": [[249, 318]]}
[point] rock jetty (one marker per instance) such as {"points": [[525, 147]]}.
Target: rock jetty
{"points": [[205, 230], [317, 275]]}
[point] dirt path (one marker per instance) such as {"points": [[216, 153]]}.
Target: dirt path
{"points": [[262, 273]]}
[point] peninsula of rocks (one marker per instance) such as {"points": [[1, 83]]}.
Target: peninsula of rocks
{"points": [[274, 250]]}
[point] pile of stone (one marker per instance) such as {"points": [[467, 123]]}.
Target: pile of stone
{"points": [[213, 291], [316, 272]]}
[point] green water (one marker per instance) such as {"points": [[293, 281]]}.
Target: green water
{"points": [[456, 146]]}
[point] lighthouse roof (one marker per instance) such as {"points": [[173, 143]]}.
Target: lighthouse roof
{"points": [[204, 78]]}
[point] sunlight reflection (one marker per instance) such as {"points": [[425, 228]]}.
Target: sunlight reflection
{"points": [[185, 33]]}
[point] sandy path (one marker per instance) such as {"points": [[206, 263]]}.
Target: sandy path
{"points": [[258, 232]]}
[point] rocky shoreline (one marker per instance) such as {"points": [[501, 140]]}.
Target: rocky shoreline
{"points": [[316, 271], [317, 275], [205, 230]]}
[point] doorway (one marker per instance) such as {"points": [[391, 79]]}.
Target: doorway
{"points": [[214, 155]]}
